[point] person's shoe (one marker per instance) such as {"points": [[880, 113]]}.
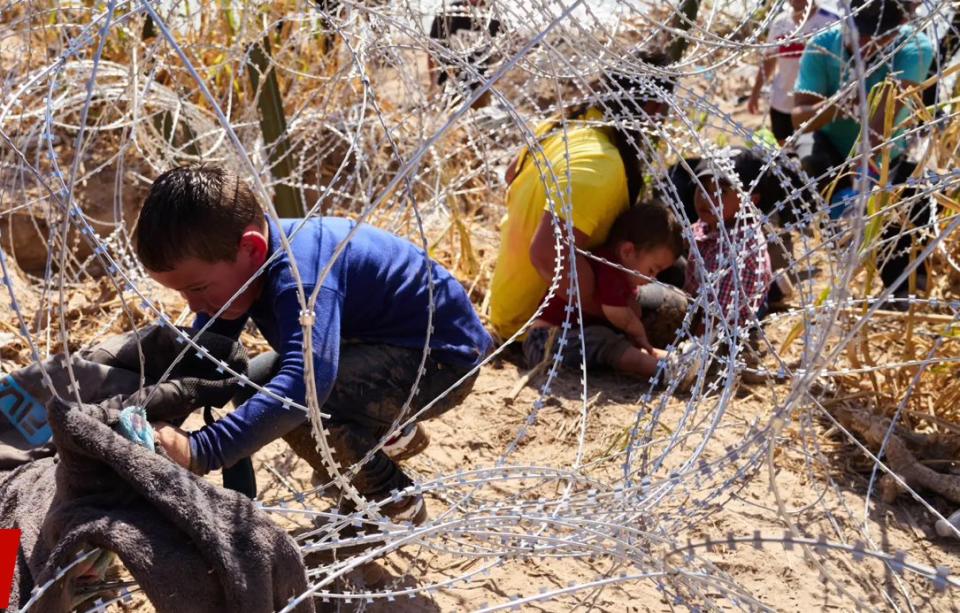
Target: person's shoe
{"points": [[410, 441], [682, 366], [410, 509]]}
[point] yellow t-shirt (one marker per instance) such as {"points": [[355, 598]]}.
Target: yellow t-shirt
{"points": [[598, 194]]}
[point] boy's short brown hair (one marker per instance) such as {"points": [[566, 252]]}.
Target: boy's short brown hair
{"points": [[193, 211], [648, 226]]}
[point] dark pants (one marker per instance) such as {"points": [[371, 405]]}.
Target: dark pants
{"points": [[602, 344], [781, 124], [822, 161], [373, 382], [918, 214]]}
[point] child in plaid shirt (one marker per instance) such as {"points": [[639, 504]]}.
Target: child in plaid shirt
{"points": [[728, 257]]}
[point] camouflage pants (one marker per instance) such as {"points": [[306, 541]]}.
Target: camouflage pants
{"points": [[373, 383]]}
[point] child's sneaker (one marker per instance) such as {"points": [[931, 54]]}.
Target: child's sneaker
{"points": [[409, 509], [410, 441], [682, 366]]}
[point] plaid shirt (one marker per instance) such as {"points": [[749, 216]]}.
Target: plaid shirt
{"points": [[735, 266]]}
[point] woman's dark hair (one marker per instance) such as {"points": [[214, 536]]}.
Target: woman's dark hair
{"points": [[627, 97], [876, 17], [648, 226]]}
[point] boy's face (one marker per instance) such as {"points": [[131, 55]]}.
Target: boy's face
{"points": [[208, 286], [648, 262], [716, 200]]}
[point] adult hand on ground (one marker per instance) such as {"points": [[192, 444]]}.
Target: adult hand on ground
{"points": [[175, 441]]}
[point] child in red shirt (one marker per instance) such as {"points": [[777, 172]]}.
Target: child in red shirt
{"points": [[643, 241]]}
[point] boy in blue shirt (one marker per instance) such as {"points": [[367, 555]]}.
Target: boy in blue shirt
{"points": [[202, 233], [828, 66]]}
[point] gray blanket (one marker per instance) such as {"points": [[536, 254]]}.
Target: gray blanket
{"points": [[190, 545], [110, 375]]}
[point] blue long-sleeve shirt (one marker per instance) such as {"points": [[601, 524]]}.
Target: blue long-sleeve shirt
{"points": [[376, 292]]}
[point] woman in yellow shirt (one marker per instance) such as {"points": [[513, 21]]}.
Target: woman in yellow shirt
{"points": [[588, 161]]}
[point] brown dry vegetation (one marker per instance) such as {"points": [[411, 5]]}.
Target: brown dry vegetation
{"points": [[819, 473]]}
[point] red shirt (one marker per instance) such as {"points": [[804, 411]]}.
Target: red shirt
{"points": [[613, 288]]}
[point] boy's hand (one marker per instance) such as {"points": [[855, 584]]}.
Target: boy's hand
{"points": [[627, 319], [174, 441]]}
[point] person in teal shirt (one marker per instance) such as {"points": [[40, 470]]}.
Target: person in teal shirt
{"points": [[828, 65], [889, 48]]}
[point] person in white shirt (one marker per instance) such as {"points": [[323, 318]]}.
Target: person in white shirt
{"points": [[787, 38]]}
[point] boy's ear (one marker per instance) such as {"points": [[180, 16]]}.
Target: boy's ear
{"points": [[254, 244], [625, 250]]}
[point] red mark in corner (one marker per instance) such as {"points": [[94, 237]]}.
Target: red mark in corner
{"points": [[9, 542]]}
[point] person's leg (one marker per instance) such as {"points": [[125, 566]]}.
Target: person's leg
{"points": [[542, 343], [918, 214], [604, 346], [664, 309], [638, 362], [442, 75], [608, 347], [373, 384], [781, 124], [821, 160], [780, 250], [241, 477]]}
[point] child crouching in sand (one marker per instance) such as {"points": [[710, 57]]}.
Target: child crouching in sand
{"points": [[202, 233], [645, 239]]}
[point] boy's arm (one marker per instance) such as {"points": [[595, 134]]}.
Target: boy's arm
{"points": [[821, 112], [263, 418], [911, 65], [627, 320], [811, 90], [543, 257], [174, 440], [767, 68]]}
